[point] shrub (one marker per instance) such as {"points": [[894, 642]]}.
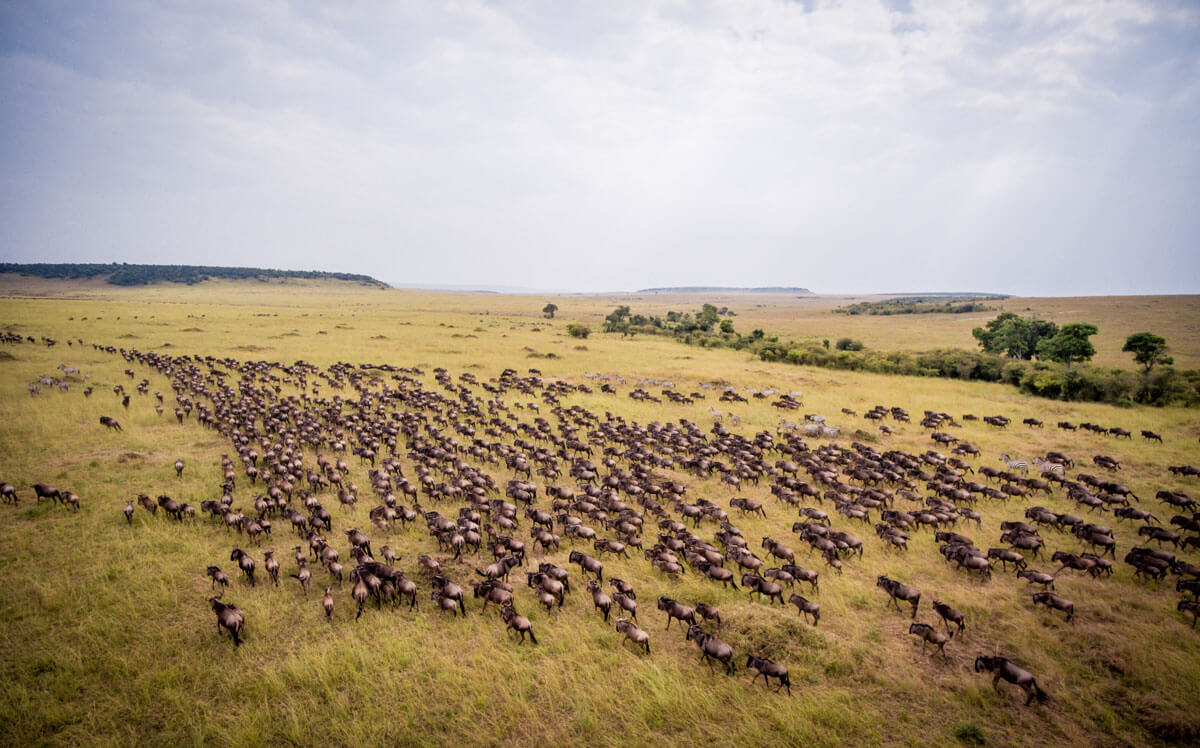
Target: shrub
{"points": [[579, 331], [970, 733], [848, 344]]}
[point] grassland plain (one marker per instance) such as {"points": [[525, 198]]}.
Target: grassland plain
{"points": [[107, 638]]}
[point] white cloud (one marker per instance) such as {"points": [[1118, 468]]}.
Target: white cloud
{"points": [[843, 146]]}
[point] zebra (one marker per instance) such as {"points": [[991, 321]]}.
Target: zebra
{"points": [[1050, 467], [1020, 465], [785, 425], [716, 414]]}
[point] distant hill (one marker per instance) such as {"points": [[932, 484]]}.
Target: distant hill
{"points": [[726, 289], [124, 274]]}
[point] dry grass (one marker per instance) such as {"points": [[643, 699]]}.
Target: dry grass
{"points": [[107, 638]]}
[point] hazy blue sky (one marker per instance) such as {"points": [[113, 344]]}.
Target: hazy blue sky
{"points": [[1040, 146]]}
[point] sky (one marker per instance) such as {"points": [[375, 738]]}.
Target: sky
{"points": [[1033, 147]]}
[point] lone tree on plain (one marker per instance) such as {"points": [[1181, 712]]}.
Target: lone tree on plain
{"points": [[1070, 344], [549, 310], [1148, 349]]}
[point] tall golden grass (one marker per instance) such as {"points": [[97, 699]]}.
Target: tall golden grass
{"points": [[107, 638]]}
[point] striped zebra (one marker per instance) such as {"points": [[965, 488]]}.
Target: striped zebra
{"points": [[1049, 467], [1020, 465]]}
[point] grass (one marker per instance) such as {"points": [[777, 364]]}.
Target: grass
{"points": [[108, 639]]}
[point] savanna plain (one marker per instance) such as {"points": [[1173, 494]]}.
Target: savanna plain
{"points": [[108, 637]]}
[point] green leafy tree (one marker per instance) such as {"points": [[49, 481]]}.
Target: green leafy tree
{"points": [[1148, 349], [1013, 335], [1070, 344], [549, 310], [726, 327], [708, 317], [618, 319], [578, 331]]}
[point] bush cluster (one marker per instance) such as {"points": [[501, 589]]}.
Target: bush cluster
{"points": [[1052, 378], [1162, 386]]}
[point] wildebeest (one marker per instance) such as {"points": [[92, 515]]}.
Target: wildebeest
{"points": [[806, 608], [42, 491], [769, 669], [897, 591], [633, 634], [929, 635], [517, 623], [229, 618], [711, 648], [1001, 667], [676, 609], [1051, 600], [949, 615]]}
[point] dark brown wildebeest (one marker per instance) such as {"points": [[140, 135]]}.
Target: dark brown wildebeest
{"points": [[769, 669], [806, 608], [634, 634], [1001, 667], [42, 491], [518, 623], [711, 648], [229, 618], [676, 609], [930, 635], [1051, 600], [897, 591]]}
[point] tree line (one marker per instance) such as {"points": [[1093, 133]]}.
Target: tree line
{"points": [[919, 305], [1037, 356], [125, 274]]}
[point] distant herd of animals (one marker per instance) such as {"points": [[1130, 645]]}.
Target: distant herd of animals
{"points": [[458, 434]]}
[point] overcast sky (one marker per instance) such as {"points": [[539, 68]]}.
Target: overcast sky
{"points": [[1042, 147]]}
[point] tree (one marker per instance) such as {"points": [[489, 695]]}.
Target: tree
{"points": [[848, 344], [579, 331], [618, 320], [1069, 344], [707, 317], [1014, 336], [726, 327], [1148, 349], [549, 310]]}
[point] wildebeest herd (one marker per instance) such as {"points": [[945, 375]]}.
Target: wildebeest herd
{"points": [[433, 453]]}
